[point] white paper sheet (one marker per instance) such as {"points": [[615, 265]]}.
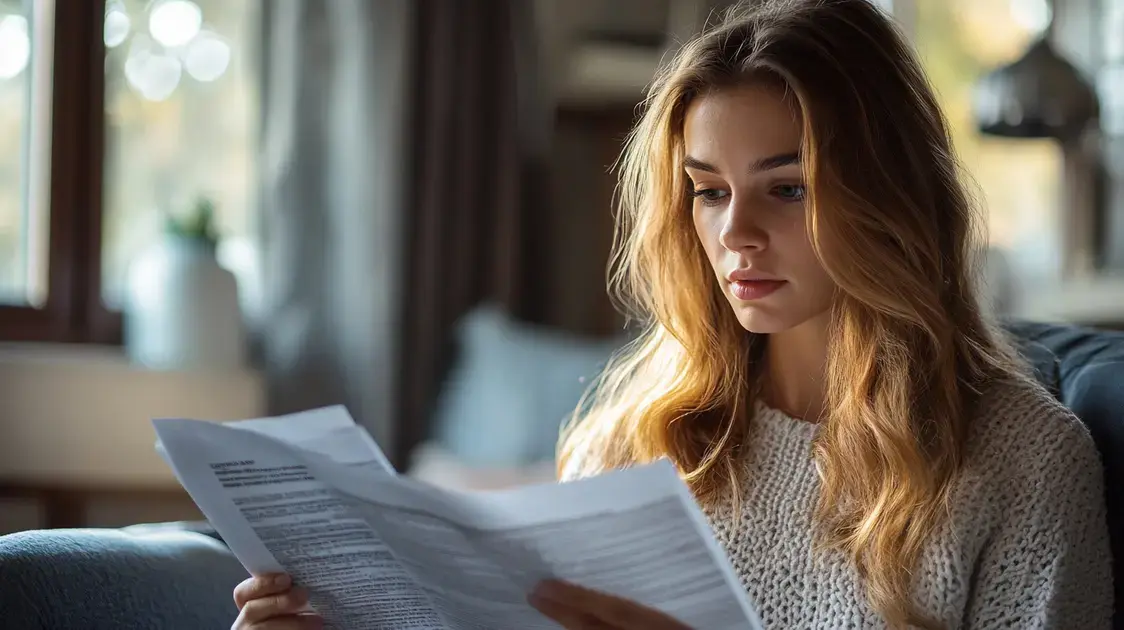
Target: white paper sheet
{"points": [[381, 551], [329, 431]]}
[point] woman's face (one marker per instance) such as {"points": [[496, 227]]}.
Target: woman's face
{"points": [[743, 161]]}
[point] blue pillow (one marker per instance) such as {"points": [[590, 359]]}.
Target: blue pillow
{"points": [[511, 387]]}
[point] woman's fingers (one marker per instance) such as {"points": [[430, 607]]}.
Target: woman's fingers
{"points": [[585, 608], [302, 622], [260, 586], [290, 602], [271, 602], [569, 618]]}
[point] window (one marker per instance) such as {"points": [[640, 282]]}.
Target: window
{"points": [[181, 122], [23, 95], [115, 114], [1018, 181]]}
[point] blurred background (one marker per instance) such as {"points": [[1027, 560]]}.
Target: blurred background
{"points": [[224, 209]]}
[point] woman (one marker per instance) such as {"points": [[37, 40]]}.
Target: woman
{"points": [[798, 240]]}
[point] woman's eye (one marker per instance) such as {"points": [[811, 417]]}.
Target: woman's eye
{"points": [[789, 192], [710, 195]]}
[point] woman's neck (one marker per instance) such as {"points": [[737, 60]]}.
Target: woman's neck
{"points": [[795, 360]]}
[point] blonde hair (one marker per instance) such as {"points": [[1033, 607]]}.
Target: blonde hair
{"points": [[893, 226]]}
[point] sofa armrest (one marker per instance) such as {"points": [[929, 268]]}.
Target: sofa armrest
{"points": [[103, 578]]}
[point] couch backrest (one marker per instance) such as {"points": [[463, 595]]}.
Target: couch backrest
{"points": [[1084, 368]]}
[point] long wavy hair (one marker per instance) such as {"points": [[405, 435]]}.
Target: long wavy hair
{"points": [[893, 225]]}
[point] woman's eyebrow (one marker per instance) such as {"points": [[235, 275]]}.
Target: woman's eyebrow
{"points": [[764, 164]]}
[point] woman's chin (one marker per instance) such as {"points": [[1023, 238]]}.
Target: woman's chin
{"points": [[761, 321], [770, 319]]}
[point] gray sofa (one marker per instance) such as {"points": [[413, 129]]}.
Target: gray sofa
{"points": [[167, 578], [170, 578]]}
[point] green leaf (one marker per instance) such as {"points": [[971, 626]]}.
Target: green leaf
{"points": [[197, 224]]}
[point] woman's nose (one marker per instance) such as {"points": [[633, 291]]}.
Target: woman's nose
{"points": [[741, 229]]}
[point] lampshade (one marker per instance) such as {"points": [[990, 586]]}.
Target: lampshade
{"points": [[1041, 95]]}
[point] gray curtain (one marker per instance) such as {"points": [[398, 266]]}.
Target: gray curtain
{"points": [[334, 94], [404, 153]]}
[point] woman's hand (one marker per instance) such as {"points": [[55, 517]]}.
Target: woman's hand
{"points": [[271, 602], [578, 608]]}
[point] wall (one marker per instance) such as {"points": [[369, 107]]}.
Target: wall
{"points": [[581, 219]]}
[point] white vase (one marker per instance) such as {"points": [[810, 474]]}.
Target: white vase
{"points": [[182, 309]]}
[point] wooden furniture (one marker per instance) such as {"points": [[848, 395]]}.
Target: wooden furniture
{"points": [[76, 438]]}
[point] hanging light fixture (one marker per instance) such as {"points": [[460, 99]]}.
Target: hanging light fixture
{"points": [[1043, 95], [1040, 95]]}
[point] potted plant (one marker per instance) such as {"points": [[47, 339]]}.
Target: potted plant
{"points": [[181, 305]]}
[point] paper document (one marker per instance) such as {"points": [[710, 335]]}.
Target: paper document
{"points": [[313, 496]]}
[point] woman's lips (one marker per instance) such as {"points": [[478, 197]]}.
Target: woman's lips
{"points": [[748, 290]]}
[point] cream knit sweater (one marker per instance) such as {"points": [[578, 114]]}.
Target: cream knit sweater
{"points": [[1026, 545]]}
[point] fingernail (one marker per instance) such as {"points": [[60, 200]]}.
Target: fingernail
{"points": [[281, 580]]}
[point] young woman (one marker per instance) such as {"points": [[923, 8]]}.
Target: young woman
{"points": [[797, 238]]}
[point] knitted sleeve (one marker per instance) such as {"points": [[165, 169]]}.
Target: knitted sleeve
{"points": [[1047, 563]]}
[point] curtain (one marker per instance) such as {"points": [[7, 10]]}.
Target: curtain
{"points": [[480, 136], [404, 151], [333, 163]]}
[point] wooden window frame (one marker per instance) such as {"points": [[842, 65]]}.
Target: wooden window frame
{"points": [[73, 311]]}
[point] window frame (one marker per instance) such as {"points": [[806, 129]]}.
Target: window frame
{"points": [[73, 311]]}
